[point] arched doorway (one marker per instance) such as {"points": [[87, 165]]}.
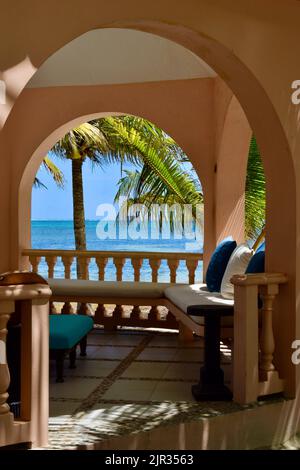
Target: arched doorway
{"points": [[273, 144]]}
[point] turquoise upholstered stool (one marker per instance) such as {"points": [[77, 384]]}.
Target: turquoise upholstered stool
{"points": [[66, 332]]}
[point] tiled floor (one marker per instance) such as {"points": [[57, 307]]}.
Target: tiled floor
{"points": [[130, 380]]}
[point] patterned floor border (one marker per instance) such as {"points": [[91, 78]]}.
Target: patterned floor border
{"points": [[87, 424], [114, 375]]}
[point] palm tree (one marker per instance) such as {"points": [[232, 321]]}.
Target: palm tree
{"points": [[161, 174], [118, 139], [84, 142]]}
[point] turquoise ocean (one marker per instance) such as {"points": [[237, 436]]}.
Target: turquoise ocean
{"points": [[58, 235]]}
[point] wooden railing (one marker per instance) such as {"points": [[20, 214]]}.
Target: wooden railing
{"points": [[254, 344], [71, 259]]}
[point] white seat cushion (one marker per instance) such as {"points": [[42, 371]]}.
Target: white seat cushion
{"points": [[73, 287], [185, 296]]}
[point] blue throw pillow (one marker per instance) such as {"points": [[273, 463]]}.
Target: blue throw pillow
{"points": [[257, 263], [261, 247], [218, 264]]}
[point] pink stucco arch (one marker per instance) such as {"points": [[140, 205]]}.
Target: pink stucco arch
{"points": [[272, 140]]}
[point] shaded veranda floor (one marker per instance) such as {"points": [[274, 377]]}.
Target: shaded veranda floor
{"points": [[130, 382]]}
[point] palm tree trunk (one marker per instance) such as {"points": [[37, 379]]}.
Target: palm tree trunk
{"points": [[78, 208]]}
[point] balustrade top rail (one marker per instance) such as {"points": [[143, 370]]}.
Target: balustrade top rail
{"points": [[114, 254], [119, 257]]}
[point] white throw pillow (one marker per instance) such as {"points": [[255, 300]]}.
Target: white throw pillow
{"points": [[237, 264]]}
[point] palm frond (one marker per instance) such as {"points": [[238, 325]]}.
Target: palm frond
{"points": [[160, 171], [54, 171], [82, 141], [37, 183], [255, 194]]}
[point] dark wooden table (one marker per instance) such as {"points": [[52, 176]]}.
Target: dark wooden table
{"points": [[211, 385]]}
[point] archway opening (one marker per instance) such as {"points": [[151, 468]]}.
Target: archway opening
{"points": [[272, 153], [118, 183]]}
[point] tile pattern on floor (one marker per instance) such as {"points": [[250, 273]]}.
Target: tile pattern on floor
{"points": [[130, 381]]}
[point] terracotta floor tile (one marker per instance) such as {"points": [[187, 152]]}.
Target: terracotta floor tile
{"points": [[172, 391], [110, 352], [65, 408], [130, 390], [161, 354], [73, 388], [153, 370], [92, 368], [182, 371]]}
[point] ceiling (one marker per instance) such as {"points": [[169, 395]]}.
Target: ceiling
{"points": [[112, 56]]}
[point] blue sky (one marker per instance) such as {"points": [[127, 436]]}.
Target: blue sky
{"points": [[52, 203]]}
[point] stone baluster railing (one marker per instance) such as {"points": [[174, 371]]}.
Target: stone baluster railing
{"points": [[67, 262], [254, 343], [101, 258], [5, 312], [31, 304], [100, 311], [84, 262]]}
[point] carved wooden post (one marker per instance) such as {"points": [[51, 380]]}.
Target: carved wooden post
{"points": [[67, 262], [31, 302], [6, 308], [267, 343], [118, 311], [84, 267], [135, 313], [137, 264], [51, 262], [154, 314], [101, 264], [119, 263], [155, 264], [67, 309], [35, 261], [84, 274], [100, 310], [173, 265], [245, 354], [191, 265]]}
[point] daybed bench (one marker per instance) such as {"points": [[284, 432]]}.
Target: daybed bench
{"points": [[206, 310], [177, 298], [195, 308]]}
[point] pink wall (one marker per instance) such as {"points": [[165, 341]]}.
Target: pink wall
{"points": [[180, 102], [231, 165], [41, 113]]}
